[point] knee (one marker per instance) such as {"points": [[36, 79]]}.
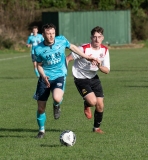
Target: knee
{"points": [[58, 99], [100, 107], [41, 109], [92, 102]]}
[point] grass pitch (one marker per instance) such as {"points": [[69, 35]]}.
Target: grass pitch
{"points": [[125, 121]]}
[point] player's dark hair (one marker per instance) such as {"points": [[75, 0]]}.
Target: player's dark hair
{"points": [[34, 27], [97, 29], [48, 26]]}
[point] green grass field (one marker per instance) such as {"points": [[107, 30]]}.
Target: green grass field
{"points": [[125, 120]]}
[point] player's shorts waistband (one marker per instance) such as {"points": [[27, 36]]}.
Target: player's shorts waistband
{"points": [[95, 77]]}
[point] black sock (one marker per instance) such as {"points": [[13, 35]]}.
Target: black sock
{"points": [[86, 104], [98, 116]]}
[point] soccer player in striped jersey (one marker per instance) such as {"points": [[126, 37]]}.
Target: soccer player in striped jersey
{"points": [[52, 66], [33, 40], [85, 75]]}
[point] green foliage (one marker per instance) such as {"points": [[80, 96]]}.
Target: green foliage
{"points": [[24, 4], [60, 3], [124, 122], [139, 25], [53, 3], [84, 5], [20, 15], [46, 3], [106, 5], [135, 4], [85, 2], [6, 43], [71, 5]]}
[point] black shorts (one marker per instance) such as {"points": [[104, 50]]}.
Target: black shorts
{"points": [[42, 92], [86, 86]]}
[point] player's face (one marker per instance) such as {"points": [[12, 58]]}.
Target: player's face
{"points": [[49, 35], [96, 39], [35, 31]]}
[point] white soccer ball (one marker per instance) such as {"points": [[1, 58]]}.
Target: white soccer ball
{"points": [[67, 138]]}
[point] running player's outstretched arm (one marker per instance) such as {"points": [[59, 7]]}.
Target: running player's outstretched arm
{"points": [[69, 58], [75, 49]]}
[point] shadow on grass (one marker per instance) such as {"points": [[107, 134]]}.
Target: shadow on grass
{"points": [[21, 130], [17, 130], [26, 130], [52, 146], [7, 136]]}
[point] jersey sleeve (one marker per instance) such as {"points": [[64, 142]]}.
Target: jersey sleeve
{"points": [[67, 43], [37, 54], [106, 61], [28, 40], [76, 56]]}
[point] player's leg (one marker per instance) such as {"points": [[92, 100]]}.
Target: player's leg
{"points": [[35, 69], [98, 115], [35, 66], [41, 118], [89, 101], [84, 88], [57, 100], [41, 95], [57, 94]]}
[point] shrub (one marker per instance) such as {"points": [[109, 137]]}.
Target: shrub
{"points": [[139, 26]]}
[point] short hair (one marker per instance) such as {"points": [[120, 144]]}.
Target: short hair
{"points": [[47, 26], [97, 29], [34, 27]]}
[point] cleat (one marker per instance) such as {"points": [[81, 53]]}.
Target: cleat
{"points": [[40, 135], [87, 112], [56, 112], [98, 130]]}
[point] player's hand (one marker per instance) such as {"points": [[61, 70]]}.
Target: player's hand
{"points": [[93, 60], [90, 58], [28, 45], [98, 62], [46, 79]]}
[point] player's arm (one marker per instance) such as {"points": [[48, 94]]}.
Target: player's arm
{"points": [[104, 69], [41, 71], [80, 53], [69, 58], [105, 65], [39, 66], [28, 44]]}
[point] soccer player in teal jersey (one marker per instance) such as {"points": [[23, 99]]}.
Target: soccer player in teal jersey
{"points": [[52, 66], [33, 40]]}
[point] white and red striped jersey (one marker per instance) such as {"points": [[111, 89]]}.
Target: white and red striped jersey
{"points": [[84, 69]]}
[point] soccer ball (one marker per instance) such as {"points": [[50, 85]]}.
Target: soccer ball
{"points": [[67, 138]]}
